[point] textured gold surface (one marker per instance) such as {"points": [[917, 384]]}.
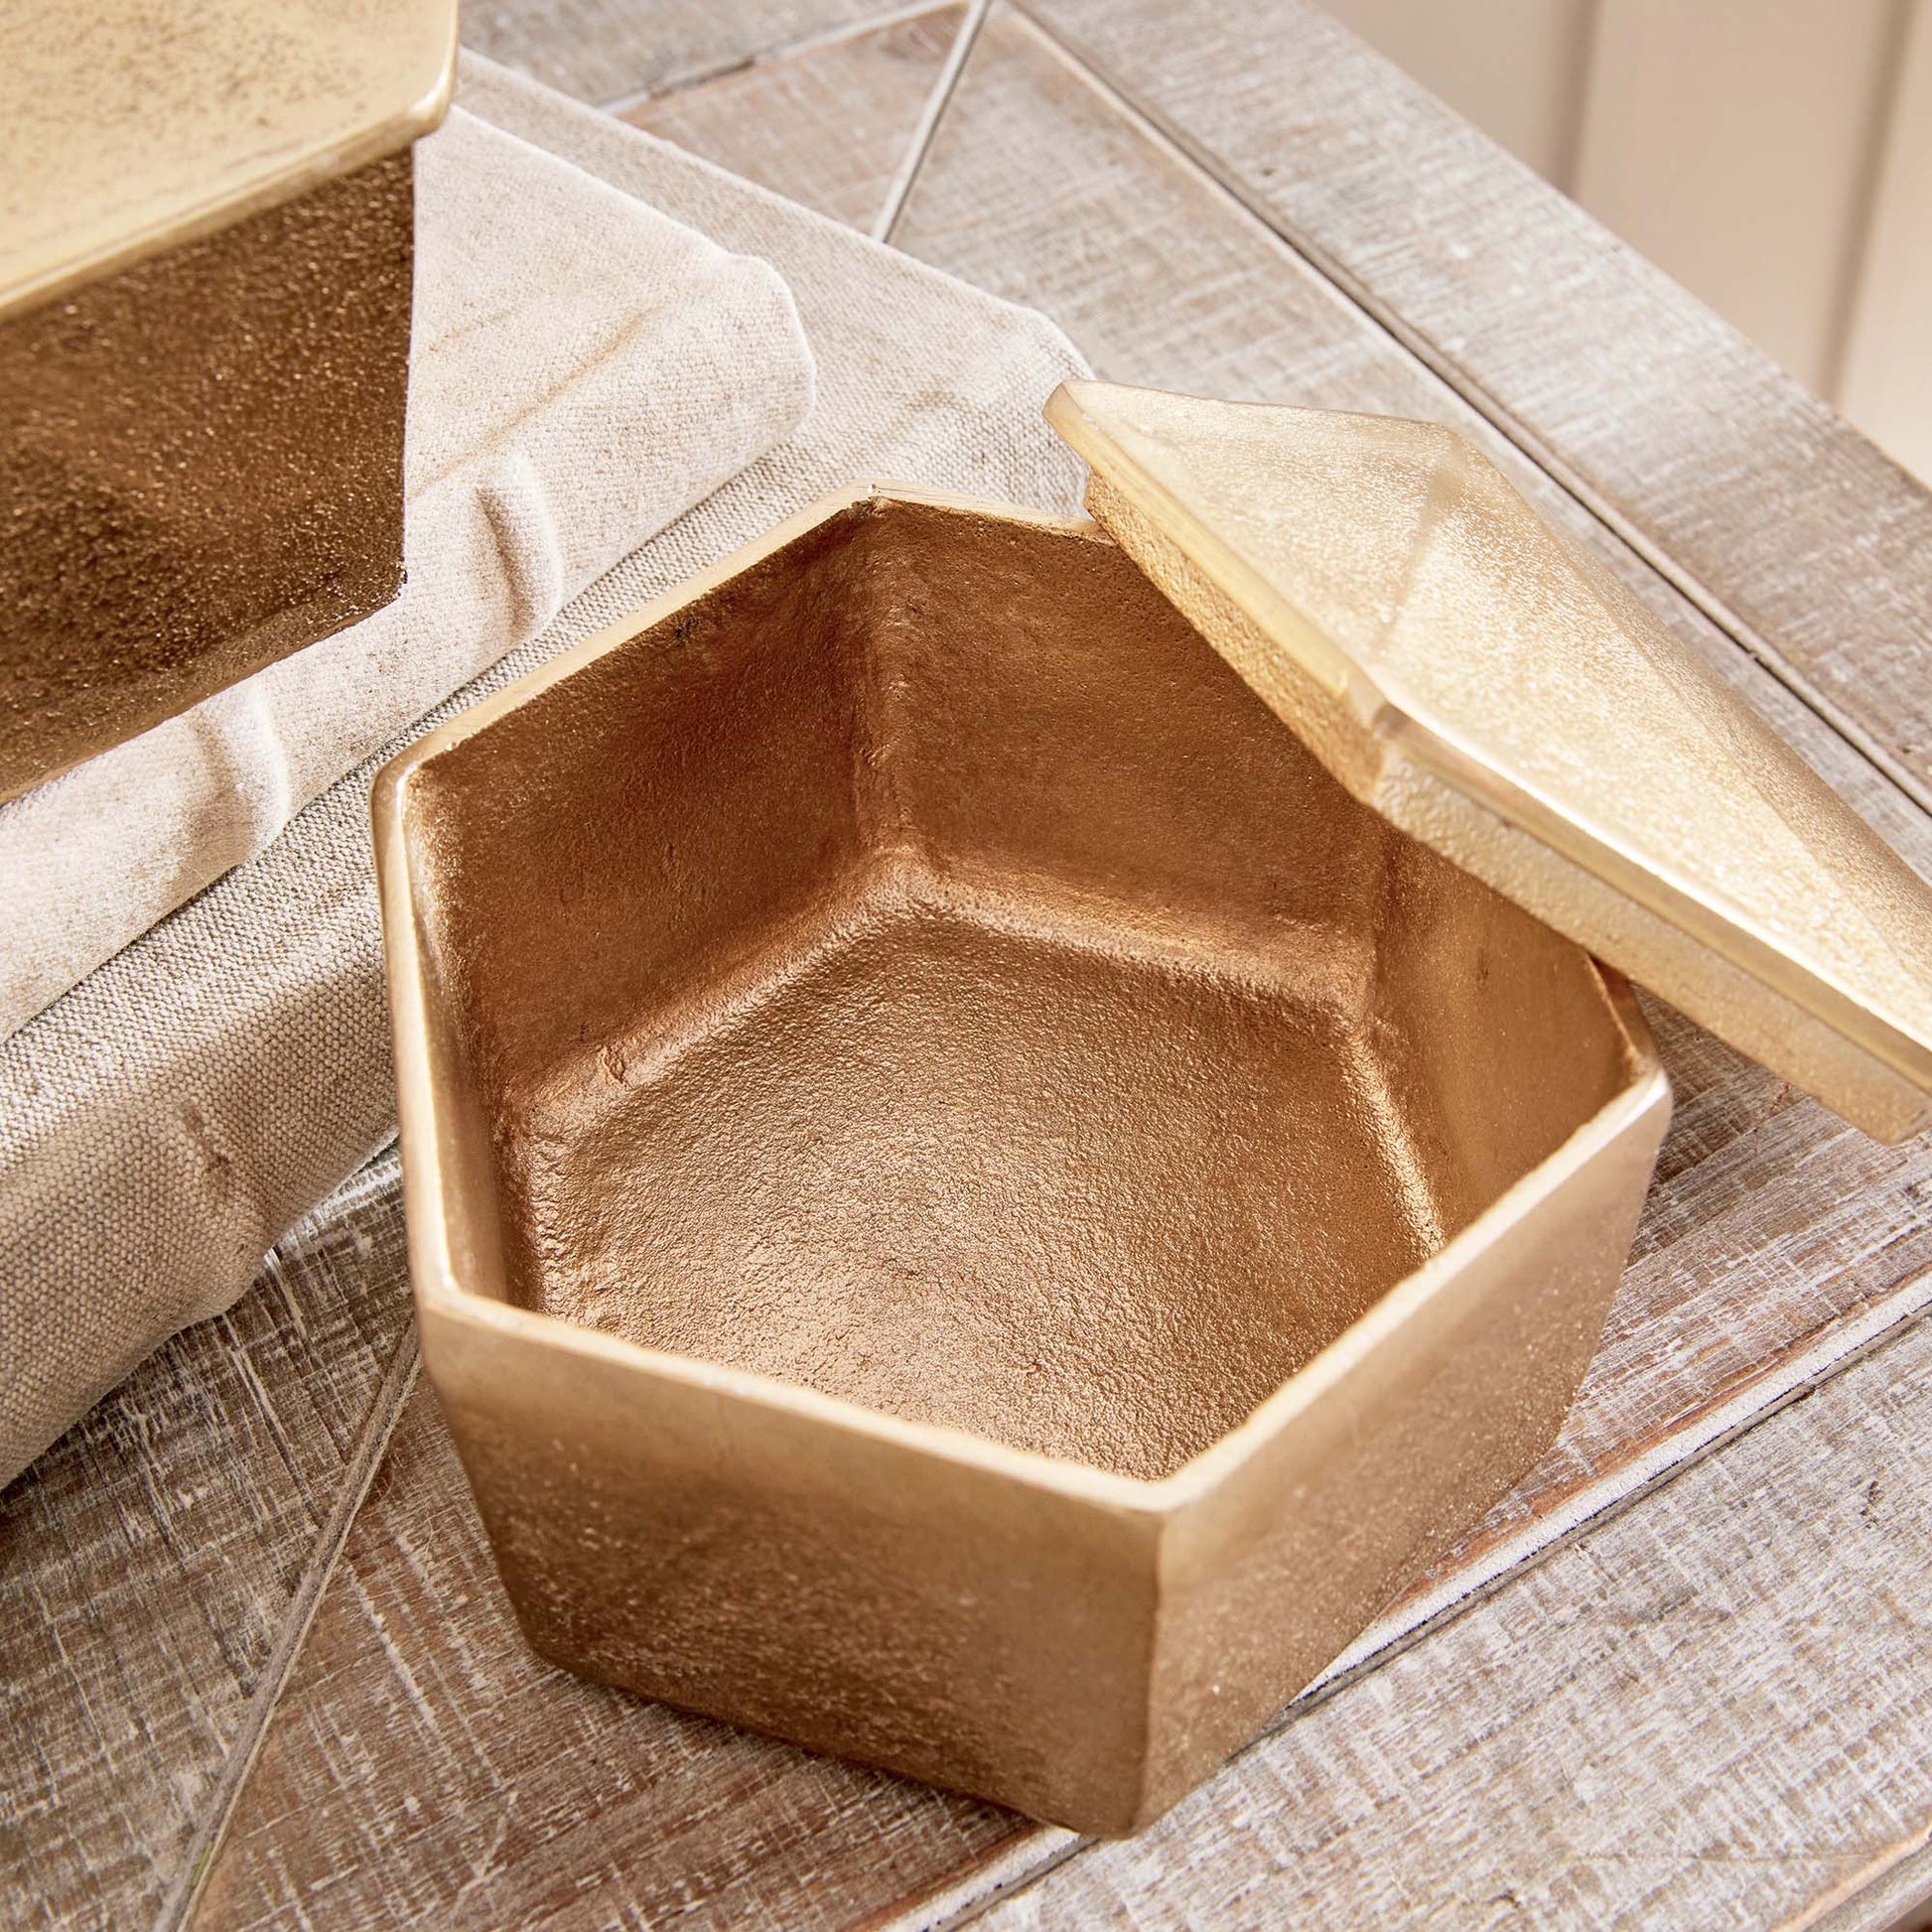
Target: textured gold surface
{"points": [[128, 126], [206, 257], [968, 1205], [1472, 681], [200, 466]]}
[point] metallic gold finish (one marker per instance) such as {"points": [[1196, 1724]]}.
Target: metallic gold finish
{"points": [[968, 1205], [201, 460], [1472, 681], [206, 257], [127, 128]]}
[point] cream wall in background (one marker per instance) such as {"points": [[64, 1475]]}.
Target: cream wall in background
{"points": [[1515, 68], [1774, 156], [1734, 142], [1886, 387]]}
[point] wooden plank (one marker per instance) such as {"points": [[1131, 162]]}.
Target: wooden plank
{"points": [[828, 124], [426, 1768], [1710, 1711], [1783, 523], [613, 51], [149, 1558], [1897, 1898]]}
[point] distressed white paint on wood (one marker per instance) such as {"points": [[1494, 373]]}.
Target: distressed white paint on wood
{"points": [[611, 50], [1733, 145], [148, 1561], [1710, 1711], [828, 126], [1775, 157]]}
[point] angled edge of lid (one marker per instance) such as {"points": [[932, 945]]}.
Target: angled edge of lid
{"points": [[1463, 673], [126, 129]]}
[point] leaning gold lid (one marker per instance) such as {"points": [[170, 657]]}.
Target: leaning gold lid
{"points": [[128, 126], [1506, 703]]}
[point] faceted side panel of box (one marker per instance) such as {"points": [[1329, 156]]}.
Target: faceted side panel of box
{"points": [[778, 1568], [1424, 1418], [911, 981]]}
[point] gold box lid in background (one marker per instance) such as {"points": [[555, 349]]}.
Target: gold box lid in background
{"points": [[1463, 673], [128, 126]]}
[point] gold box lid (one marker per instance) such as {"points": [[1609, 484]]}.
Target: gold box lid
{"points": [[1505, 702], [127, 126]]}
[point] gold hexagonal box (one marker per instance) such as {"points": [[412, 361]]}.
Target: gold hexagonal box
{"points": [[978, 1203]]}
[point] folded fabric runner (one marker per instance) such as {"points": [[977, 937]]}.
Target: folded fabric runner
{"points": [[163, 1121], [583, 369]]}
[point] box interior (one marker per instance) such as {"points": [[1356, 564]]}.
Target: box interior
{"points": [[921, 970]]}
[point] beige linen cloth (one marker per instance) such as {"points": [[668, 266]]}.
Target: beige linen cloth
{"points": [[583, 369], [162, 1123]]}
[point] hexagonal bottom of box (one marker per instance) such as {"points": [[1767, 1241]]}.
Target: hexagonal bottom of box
{"points": [[903, 1155]]}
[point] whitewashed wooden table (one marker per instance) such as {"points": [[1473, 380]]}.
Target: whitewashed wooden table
{"points": [[249, 1634]]}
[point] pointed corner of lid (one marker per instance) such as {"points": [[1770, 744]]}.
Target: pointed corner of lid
{"points": [[1077, 411], [1306, 520], [1093, 418], [1099, 421], [1311, 520], [1070, 400]]}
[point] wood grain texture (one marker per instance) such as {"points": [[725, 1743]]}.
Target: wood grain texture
{"points": [[827, 125], [615, 51], [426, 1768], [1805, 542], [1710, 1325], [1710, 1711], [148, 1561]]}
